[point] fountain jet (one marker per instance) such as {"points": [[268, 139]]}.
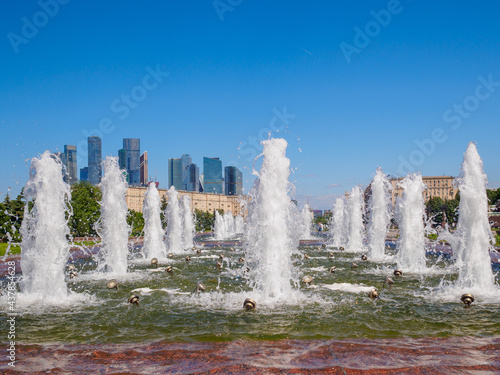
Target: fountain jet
{"points": [[355, 209], [379, 215], [187, 223], [153, 231], [174, 223]]}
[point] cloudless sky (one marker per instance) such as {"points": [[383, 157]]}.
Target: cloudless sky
{"points": [[239, 71]]}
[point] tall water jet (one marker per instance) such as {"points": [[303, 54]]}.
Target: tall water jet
{"points": [[356, 228], [45, 247], [410, 215], [380, 217], [305, 222], [220, 228], [239, 224], [154, 247], [474, 237], [271, 240], [187, 223], [338, 226], [174, 223], [112, 226]]}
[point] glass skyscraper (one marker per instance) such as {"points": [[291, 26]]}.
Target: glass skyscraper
{"points": [[95, 159], [233, 179], [212, 175], [69, 161], [144, 169], [175, 173], [132, 146]]}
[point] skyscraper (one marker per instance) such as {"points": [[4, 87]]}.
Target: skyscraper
{"points": [[95, 159], [84, 174], [122, 162], [193, 178], [212, 175], [144, 168], [133, 148], [175, 173], [69, 161], [233, 181]]}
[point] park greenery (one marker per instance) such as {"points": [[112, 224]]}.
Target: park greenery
{"points": [[84, 213]]}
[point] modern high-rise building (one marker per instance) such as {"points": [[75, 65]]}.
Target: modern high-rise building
{"points": [[193, 178], [233, 181], [122, 163], [144, 169], [212, 175], [132, 146], [84, 174], [175, 173], [94, 159], [68, 158]]}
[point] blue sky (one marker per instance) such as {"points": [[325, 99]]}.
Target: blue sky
{"points": [[351, 86]]}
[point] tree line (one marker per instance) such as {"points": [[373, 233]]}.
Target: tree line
{"points": [[84, 211]]}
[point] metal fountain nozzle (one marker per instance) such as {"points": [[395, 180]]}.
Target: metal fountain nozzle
{"points": [[72, 274], [341, 248], [219, 266], [188, 258], [398, 273], [154, 262], [364, 257], [331, 255], [198, 251], [112, 284], [221, 256], [307, 280], [200, 287], [354, 265], [134, 300], [241, 260], [249, 304], [306, 256], [170, 255], [332, 269], [194, 248], [467, 299], [169, 270], [373, 293]]}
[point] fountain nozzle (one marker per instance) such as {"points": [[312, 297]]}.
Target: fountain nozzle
{"points": [[154, 262], [467, 299], [134, 300], [307, 280], [112, 284], [200, 287], [332, 270], [364, 257], [169, 270], [398, 273], [249, 304], [373, 293]]}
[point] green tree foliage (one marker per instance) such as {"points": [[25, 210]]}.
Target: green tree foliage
{"points": [[493, 195], [204, 221], [85, 200], [11, 217], [436, 207], [136, 222]]}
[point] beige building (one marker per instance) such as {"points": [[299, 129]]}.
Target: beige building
{"points": [[200, 201], [437, 186]]}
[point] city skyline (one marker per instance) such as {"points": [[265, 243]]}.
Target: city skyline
{"points": [[350, 86]]}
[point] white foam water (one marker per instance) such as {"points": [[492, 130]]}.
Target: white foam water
{"points": [[154, 247], [112, 226], [174, 223], [339, 224], [187, 223], [356, 228], [380, 217]]}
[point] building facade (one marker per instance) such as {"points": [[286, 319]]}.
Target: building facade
{"points": [[175, 173], [437, 186], [94, 160], [84, 174], [144, 169], [132, 146], [233, 180], [199, 201], [212, 176], [69, 161]]}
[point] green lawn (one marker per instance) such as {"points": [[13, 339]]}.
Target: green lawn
{"points": [[13, 249]]}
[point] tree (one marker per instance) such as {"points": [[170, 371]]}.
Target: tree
{"points": [[11, 217], [85, 200], [204, 221], [136, 222], [434, 208]]}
